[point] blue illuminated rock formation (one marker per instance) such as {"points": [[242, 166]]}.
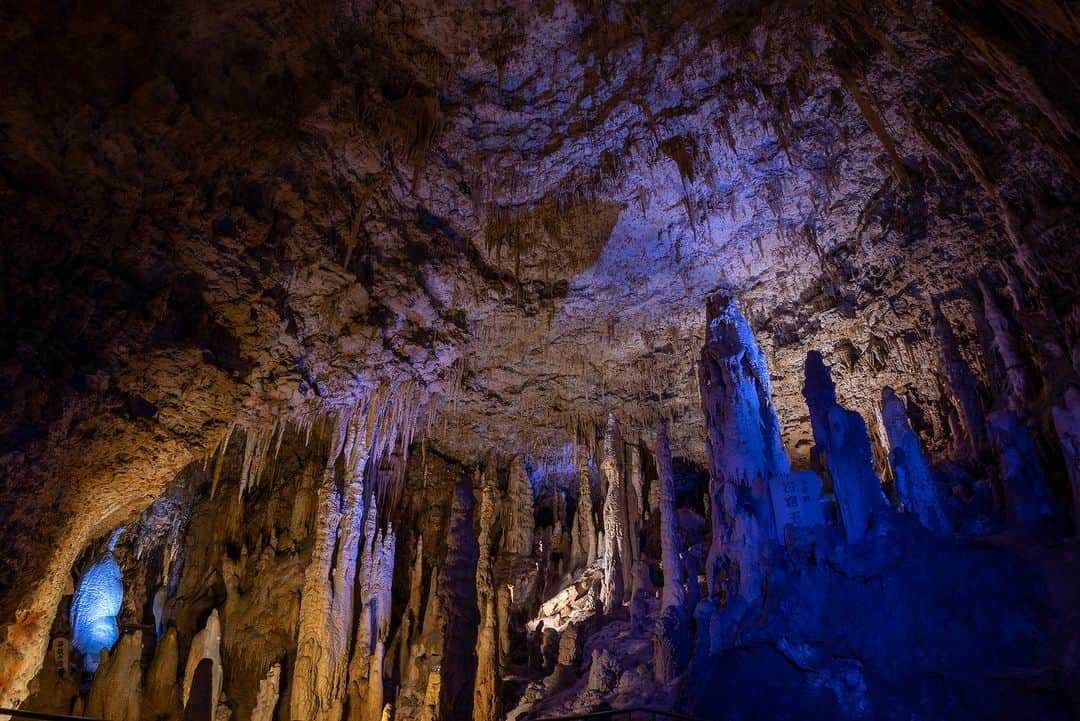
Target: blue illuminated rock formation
{"points": [[94, 607], [745, 451], [842, 450], [1028, 504], [916, 486]]}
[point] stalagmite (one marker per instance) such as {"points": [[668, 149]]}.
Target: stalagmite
{"points": [[485, 696], [411, 620], [518, 528], [671, 638], [266, 701], [671, 635], [635, 505], [116, 693], [457, 588], [616, 555], [375, 581], [842, 450], [1027, 499], [162, 697], [205, 646], [745, 451], [963, 389], [1066, 415], [326, 607], [583, 534], [915, 483], [674, 593]]}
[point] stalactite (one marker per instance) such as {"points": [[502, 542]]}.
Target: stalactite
{"points": [[326, 607], [219, 459], [1015, 385], [842, 451], [916, 486]]}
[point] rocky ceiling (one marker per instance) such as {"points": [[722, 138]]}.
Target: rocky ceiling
{"points": [[511, 213]]}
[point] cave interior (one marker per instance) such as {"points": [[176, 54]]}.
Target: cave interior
{"points": [[371, 360]]}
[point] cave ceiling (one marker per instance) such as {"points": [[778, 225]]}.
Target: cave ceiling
{"points": [[513, 211]]}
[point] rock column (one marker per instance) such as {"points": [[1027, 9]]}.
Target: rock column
{"points": [[745, 451], [916, 486], [842, 451]]}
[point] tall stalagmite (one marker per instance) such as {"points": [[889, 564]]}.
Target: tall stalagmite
{"points": [[842, 451], [745, 451], [916, 486], [517, 539], [486, 696], [459, 617], [616, 550], [583, 534], [671, 638], [375, 580]]}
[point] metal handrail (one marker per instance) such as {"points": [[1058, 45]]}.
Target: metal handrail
{"points": [[655, 713], [44, 716]]}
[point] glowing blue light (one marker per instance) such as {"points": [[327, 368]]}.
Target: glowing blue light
{"points": [[94, 607]]}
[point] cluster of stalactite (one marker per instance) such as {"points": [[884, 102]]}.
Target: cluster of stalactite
{"points": [[310, 595], [266, 603]]}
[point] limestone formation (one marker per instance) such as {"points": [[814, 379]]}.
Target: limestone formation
{"points": [[518, 527], [962, 391], [583, 534], [842, 451], [486, 696], [674, 593], [98, 599], [375, 580], [116, 692], [330, 306], [162, 697], [326, 610], [745, 451], [671, 637], [1027, 500], [269, 689], [1066, 415], [616, 547], [916, 485], [205, 647]]}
